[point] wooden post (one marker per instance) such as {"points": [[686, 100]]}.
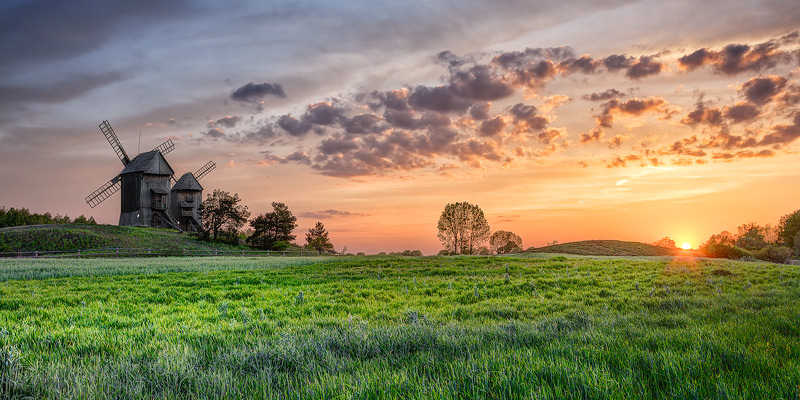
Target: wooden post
{"points": [[79, 253]]}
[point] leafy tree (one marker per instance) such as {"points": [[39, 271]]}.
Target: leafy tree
{"points": [[789, 229], [503, 242], [317, 239], [222, 214], [750, 237], [273, 227], [462, 228], [665, 242]]}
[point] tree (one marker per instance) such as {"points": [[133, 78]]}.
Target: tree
{"points": [[665, 242], [273, 227], [750, 237], [317, 239], [462, 228], [789, 229], [503, 242], [222, 213]]}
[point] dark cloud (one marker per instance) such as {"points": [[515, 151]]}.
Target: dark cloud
{"points": [[549, 136], [603, 96], [325, 214], [526, 117], [324, 113], [56, 92], [520, 59], [438, 98], [644, 67], [480, 111], [584, 64], [742, 112], [42, 30], [215, 133], [293, 126], [633, 106], [492, 127], [737, 58], [762, 89], [254, 92], [337, 145], [362, 123], [783, 134], [299, 157], [703, 115], [617, 62], [478, 83], [260, 134]]}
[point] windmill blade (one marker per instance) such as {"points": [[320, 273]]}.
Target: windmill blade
{"points": [[103, 192], [165, 147], [112, 138], [172, 180], [204, 170]]}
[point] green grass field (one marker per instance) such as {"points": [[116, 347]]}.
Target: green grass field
{"points": [[538, 327]]}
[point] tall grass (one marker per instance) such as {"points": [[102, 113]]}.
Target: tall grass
{"points": [[422, 328]]}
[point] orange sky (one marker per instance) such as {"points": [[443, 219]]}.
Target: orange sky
{"points": [[559, 125]]}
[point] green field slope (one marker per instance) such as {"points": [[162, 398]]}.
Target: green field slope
{"points": [[73, 237], [610, 248], [399, 328]]}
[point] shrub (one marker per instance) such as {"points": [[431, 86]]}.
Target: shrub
{"points": [[720, 250], [776, 254]]}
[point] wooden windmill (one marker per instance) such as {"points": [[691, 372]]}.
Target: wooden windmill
{"points": [[145, 182]]}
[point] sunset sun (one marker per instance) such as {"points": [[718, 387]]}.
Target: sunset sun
{"points": [[686, 246]]}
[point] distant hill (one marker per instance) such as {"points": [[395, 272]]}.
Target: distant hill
{"points": [[610, 248], [73, 237]]}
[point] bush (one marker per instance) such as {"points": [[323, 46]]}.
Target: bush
{"points": [[776, 254], [720, 250]]}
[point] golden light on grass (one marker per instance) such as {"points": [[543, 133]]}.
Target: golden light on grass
{"points": [[686, 246]]}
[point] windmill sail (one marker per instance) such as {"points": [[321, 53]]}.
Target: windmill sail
{"points": [[204, 170], [104, 192], [113, 140], [165, 147]]}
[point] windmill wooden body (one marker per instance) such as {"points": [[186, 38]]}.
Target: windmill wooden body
{"points": [[186, 196], [146, 185]]}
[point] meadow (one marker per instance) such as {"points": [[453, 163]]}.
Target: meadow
{"points": [[533, 327]]}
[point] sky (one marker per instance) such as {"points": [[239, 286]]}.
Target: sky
{"points": [[563, 121]]}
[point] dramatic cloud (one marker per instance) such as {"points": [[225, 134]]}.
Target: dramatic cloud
{"points": [[644, 67], [742, 112], [703, 115], [633, 107], [254, 92], [762, 89], [738, 58], [226, 121], [603, 96]]}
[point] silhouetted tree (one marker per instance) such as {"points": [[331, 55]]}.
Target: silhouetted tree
{"points": [[789, 229], [503, 242], [462, 228], [222, 213], [750, 237], [273, 227], [317, 239], [665, 242]]}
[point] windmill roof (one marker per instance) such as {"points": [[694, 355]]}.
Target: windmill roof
{"points": [[151, 162], [187, 181]]}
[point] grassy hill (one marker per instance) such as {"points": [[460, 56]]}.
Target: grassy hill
{"points": [[73, 237], [611, 248]]}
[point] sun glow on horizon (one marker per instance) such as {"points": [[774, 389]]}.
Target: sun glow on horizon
{"points": [[686, 246]]}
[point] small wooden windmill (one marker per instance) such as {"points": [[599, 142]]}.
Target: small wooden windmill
{"points": [[145, 184]]}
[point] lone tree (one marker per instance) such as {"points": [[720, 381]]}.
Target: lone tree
{"points": [[317, 239], [462, 228], [273, 230], [503, 242], [222, 213]]}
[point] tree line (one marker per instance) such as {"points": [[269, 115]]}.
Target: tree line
{"points": [[223, 218], [23, 216], [775, 243], [463, 229]]}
